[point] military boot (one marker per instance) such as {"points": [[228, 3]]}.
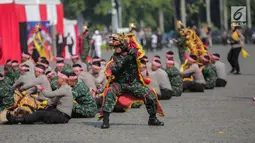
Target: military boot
{"points": [[155, 122], [105, 124]]}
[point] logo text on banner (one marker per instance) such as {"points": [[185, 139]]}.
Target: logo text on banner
{"points": [[238, 15]]}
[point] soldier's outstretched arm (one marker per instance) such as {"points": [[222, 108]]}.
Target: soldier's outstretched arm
{"points": [[37, 81], [51, 94]]}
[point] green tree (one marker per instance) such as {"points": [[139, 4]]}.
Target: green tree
{"points": [[98, 11], [73, 8], [194, 10]]}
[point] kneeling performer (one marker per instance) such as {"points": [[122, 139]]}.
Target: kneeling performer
{"points": [[61, 98], [221, 71]]}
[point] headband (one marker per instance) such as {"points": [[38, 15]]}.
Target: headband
{"points": [[25, 56], [155, 58], [60, 64], [50, 74], [60, 75], [146, 60], [73, 77], [190, 59], [24, 68], [75, 57], [1, 78], [59, 58], [204, 59], [77, 68], [170, 62], [96, 60], [9, 63], [15, 64], [169, 56], [45, 65], [96, 67], [156, 64], [215, 57], [39, 70]]}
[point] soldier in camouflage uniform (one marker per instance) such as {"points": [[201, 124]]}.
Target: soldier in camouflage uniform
{"points": [[181, 39], [85, 43], [13, 72], [123, 69], [7, 70], [209, 73], [61, 66], [174, 77], [6, 94], [7, 65], [84, 104], [53, 78], [8, 81]]}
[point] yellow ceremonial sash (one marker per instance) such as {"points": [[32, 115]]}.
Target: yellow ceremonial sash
{"points": [[235, 36], [183, 65], [40, 48], [188, 79], [202, 67]]}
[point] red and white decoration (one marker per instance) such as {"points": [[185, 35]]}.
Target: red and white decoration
{"points": [[14, 12]]}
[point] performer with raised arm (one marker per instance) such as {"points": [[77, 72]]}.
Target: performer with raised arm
{"points": [[124, 76]]}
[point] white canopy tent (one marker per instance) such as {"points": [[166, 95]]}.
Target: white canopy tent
{"points": [[14, 12]]}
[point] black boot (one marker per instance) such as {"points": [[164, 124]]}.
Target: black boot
{"points": [[14, 120], [105, 124], [155, 122], [232, 71], [237, 73]]}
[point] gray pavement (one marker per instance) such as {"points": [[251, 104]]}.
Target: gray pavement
{"points": [[222, 115]]}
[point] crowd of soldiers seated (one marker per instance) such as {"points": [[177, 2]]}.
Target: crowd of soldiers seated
{"points": [[34, 92]]}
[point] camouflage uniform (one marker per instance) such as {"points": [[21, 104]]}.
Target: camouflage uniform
{"points": [[16, 75], [54, 84], [136, 105], [6, 94], [85, 45], [181, 45], [210, 76], [175, 80], [215, 70], [125, 72], [67, 68], [86, 105], [12, 75], [8, 81]]}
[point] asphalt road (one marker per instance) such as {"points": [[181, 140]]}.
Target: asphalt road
{"points": [[222, 115]]}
